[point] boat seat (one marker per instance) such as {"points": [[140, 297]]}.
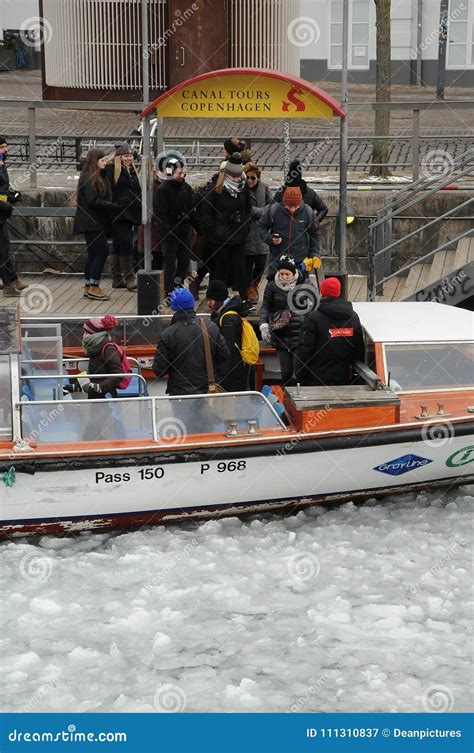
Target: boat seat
{"points": [[133, 389]]}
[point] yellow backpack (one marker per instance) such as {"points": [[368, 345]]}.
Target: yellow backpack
{"points": [[249, 348]]}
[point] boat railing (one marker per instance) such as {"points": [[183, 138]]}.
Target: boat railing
{"points": [[160, 419], [61, 377]]}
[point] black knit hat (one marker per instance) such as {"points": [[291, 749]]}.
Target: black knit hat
{"points": [[217, 291], [286, 262], [3, 140], [294, 175]]}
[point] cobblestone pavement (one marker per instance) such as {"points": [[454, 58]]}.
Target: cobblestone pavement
{"points": [[450, 131]]}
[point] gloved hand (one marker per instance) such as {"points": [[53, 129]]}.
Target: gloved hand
{"points": [[265, 332], [71, 387], [310, 264], [14, 197], [92, 388]]}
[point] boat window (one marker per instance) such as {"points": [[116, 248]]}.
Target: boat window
{"points": [[174, 418], [86, 421], [422, 366], [206, 414], [42, 356], [5, 399]]}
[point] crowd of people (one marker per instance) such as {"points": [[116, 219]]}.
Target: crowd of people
{"points": [[239, 234], [231, 228]]}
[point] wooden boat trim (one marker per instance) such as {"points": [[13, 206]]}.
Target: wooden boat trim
{"points": [[130, 448]]}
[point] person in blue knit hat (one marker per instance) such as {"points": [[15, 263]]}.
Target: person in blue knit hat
{"points": [[180, 349], [181, 299]]}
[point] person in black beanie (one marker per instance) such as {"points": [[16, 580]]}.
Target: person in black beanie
{"points": [[227, 312], [280, 324], [294, 178], [12, 286], [226, 216], [174, 215]]}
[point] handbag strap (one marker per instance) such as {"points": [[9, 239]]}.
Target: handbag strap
{"points": [[207, 352]]}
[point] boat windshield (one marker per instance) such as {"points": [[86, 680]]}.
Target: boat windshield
{"points": [[424, 366], [5, 398], [167, 420]]}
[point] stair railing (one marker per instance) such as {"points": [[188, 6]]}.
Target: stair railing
{"points": [[380, 230]]}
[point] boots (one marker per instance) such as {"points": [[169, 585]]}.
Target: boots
{"points": [[96, 294], [117, 276], [126, 267], [252, 293]]}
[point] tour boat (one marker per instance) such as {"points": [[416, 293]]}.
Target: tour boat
{"points": [[69, 464]]}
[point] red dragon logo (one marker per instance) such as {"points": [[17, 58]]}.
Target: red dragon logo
{"points": [[293, 100]]}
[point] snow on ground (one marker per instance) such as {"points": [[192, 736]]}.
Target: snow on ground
{"points": [[352, 609]]}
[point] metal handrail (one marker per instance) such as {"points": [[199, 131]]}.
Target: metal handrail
{"points": [[423, 227], [457, 162], [422, 259], [61, 377], [390, 212], [18, 406]]}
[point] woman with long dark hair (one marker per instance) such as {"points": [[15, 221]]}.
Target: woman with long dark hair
{"points": [[93, 217]]}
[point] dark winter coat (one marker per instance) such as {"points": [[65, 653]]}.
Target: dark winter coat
{"points": [[6, 207], [275, 300], [127, 194], [180, 354], [300, 239], [226, 220], [235, 378], [310, 197], [330, 341], [173, 209], [107, 363], [94, 211], [260, 197]]}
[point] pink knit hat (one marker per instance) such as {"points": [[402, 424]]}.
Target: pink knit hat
{"points": [[98, 324]]}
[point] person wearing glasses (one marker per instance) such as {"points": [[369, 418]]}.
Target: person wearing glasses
{"points": [[256, 250]]}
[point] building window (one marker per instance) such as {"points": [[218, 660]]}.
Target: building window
{"points": [[460, 35], [359, 11]]}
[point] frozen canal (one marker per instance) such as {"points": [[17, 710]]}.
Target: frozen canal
{"points": [[353, 609]]}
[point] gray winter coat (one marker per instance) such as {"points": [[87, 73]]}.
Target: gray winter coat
{"points": [[259, 199]]}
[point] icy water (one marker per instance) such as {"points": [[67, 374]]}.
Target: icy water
{"points": [[353, 609]]}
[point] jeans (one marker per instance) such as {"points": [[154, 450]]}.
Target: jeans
{"points": [[7, 267], [254, 268], [176, 259], [97, 251], [231, 260]]}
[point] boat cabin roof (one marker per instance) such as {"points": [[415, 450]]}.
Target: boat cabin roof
{"points": [[415, 322]]}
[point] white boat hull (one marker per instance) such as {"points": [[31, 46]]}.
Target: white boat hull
{"points": [[122, 493]]}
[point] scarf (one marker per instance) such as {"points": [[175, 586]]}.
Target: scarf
{"points": [[92, 344], [286, 285], [233, 188]]}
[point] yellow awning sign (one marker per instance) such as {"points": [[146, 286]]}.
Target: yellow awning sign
{"points": [[245, 93]]}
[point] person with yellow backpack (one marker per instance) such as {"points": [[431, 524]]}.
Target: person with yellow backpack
{"points": [[229, 313]]}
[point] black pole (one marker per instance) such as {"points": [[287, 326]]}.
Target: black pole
{"points": [[443, 36]]}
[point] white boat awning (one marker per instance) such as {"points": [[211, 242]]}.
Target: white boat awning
{"points": [[415, 322]]}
